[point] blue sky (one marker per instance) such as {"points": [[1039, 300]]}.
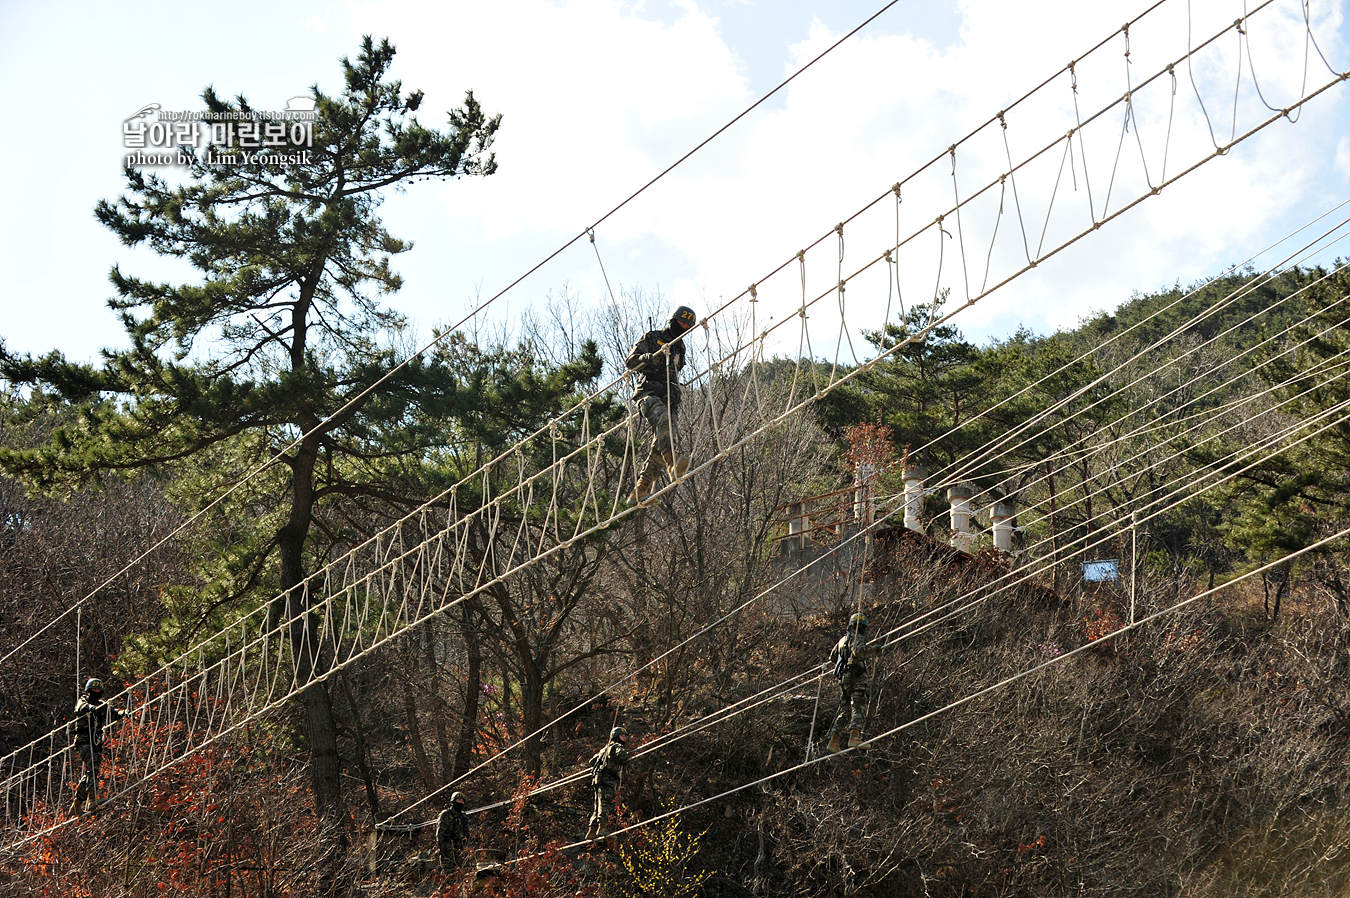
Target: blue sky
{"points": [[598, 96]]}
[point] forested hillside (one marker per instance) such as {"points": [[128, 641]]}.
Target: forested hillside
{"points": [[1177, 730]]}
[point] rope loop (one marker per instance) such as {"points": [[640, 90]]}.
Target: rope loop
{"points": [[841, 286], [1001, 120], [895, 189], [1237, 23], [590, 232], [1073, 76], [754, 293], [839, 229], [887, 254], [1125, 29]]}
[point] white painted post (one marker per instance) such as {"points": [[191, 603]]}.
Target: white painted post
{"points": [[960, 496], [914, 496], [1134, 558], [1003, 526]]}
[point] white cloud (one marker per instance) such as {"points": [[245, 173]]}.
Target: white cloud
{"points": [[1343, 156], [597, 100], [598, 96]]}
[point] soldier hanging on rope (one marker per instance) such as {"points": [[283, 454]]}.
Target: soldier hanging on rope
{"points": [[92, 717], [452, 832], [849, 660], [657, 359], [606, 771]]}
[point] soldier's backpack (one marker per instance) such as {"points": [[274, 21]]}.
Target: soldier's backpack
{"points": [[598, 764], [841, 667]]}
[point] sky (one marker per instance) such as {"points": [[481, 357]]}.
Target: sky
{"points": [[598, 96]]}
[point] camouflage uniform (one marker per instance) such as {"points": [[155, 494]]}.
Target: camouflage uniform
{"points": [[658, 387], [452, 835], [92, 716], [606, 769], [854, 684]]}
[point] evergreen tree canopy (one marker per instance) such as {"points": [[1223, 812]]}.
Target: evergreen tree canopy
{"points": [[276, 345]]}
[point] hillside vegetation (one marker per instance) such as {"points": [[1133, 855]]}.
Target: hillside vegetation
{"points": [[1025, 739]]}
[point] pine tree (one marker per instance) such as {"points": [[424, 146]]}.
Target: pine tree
{"points": [[280, 338]]}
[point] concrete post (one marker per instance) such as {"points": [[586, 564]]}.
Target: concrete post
{"points": [[1003, 525], [960, 496], [863, 486], [914, 478], [797, 526]]}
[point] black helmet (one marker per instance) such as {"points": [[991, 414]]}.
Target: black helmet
{"points": [[858, 622], [618, 734], [94, 686], [457, 798], [682, 319]]}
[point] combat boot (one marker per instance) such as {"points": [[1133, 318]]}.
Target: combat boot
{"points": [[678, 468], [834, 743], [646, 483], [592, 831], [643, 491], [854, 737]]}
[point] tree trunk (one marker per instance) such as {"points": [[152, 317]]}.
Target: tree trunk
{"points": [[311, 658], [362, 752], [1283, 580], [532, 714], [414, 729], [473, 690], [438, 705]]}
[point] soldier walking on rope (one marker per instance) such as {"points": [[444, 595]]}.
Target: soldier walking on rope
{"points": [[657, 359], [92, 716], [452, 832], [606, 770], [849, 658]]}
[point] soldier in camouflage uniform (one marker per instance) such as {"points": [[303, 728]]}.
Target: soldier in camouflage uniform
{"points": [[452, 832], [849, 660], [656, 359], [606, 770], [92, 717]]}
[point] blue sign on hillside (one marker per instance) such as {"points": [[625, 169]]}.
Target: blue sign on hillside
{"points": [[1100, 571]]}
